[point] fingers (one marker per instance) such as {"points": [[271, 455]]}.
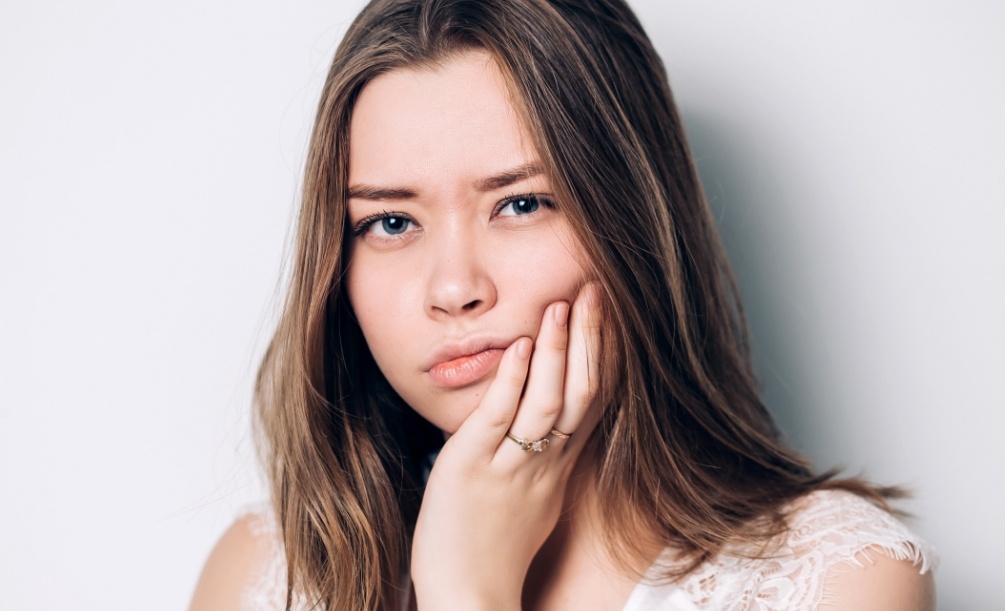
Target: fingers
{"points": [[582, 369], [484, 428], [564, 375], [542, 397], [552, 389]]}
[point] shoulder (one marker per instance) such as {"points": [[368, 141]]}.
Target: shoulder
{"points": [[862, 557], [883, 583], [241, 566], [839, 526], [839, 551]]}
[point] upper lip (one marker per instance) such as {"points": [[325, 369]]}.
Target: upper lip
{"points": [[449, 350]]}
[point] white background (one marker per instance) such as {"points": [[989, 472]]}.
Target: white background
{"points": [[149, 161]]}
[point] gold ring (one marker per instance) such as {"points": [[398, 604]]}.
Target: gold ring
{"points": [[560, 434], [530, 446]]}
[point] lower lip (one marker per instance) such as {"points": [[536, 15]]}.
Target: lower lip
{"points": [[466, 369]]}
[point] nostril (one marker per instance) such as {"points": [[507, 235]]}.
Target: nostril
{"points": [[471, 305]]}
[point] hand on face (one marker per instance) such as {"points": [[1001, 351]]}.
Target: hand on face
{"points": [[489, 505]]}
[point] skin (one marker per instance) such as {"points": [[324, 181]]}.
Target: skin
{"points": [[499, 528], [466, 264], [464, 260]]}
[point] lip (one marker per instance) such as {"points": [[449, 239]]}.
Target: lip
{"points": [[455, 364]]}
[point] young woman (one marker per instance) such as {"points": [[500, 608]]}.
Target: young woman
{"points": [[512, 368]]}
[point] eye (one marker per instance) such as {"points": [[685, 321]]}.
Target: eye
{"points": [[393, 225], [520, 205], [384, 225]]}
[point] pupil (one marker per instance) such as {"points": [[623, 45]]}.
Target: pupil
{"points": [[525, 205], [393, 224]]}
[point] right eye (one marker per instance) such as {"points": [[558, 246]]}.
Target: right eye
{"points": [[384, 225]]}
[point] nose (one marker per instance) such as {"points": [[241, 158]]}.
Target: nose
{"points": [[459, 284]]}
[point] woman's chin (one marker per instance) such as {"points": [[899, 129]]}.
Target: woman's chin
{"points": [[449, 411]]}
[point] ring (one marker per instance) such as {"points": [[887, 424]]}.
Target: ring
{"points": [[530, 446], [560, 434]]}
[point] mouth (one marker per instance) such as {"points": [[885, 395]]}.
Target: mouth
{"points": [[465, 370]]}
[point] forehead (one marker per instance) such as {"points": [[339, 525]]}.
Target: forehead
{"points": [[455, 120]]}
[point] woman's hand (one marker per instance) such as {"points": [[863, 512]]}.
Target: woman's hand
{"points": [[489, 505]]}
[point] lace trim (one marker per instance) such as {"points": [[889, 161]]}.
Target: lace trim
{"points": [[826, 528], [267, 592]]}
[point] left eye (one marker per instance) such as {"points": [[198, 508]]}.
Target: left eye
{"points": [[393, 225], [517, 206]]}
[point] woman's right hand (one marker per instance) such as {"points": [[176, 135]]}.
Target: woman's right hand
{"points": [[489, 505]]}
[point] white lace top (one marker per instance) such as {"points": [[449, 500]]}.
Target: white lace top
{"points": [[825, 528]]}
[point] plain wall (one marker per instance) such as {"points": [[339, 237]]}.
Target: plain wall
{"points": [[149, 161]]}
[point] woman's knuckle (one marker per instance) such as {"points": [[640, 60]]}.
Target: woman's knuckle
{"points": [[551, 409]]}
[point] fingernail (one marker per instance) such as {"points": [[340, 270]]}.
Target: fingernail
{"points": [[561, 314], [523, 347]]}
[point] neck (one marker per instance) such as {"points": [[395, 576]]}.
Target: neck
{"points": [[575, 563]]}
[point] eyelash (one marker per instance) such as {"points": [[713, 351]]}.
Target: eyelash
{"points": [[366, 222], [545, 201]]}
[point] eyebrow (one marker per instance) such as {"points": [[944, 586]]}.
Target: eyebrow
{"points": [[492, 183], [509, 177], [379, 193]]}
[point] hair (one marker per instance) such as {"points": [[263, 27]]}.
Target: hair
{"points": [[686, 452]]}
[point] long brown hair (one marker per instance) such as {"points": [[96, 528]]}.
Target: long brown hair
{"points": [[685, 440]]}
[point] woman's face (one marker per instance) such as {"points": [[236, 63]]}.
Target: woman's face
{"points": [[457, 246]]}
